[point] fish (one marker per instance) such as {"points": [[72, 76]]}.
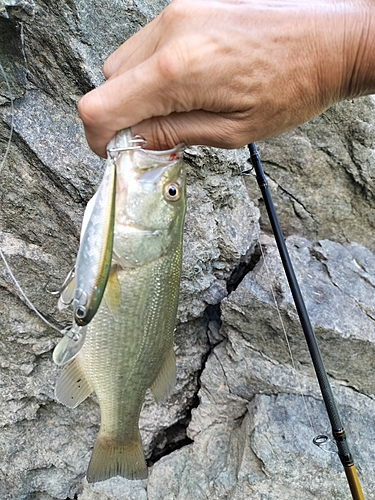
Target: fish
{"points": [[129, 342]]}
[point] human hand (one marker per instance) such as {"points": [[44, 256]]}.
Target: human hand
{"points": [[225, 73]]}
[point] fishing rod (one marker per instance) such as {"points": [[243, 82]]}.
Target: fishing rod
{"points": [[338, 431]]}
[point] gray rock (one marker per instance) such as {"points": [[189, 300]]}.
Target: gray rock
{"points": [[341, 313], [265, 451], [236, 426], [321, 175], [213, 247]]}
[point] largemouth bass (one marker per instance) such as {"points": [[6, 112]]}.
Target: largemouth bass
{"points": [[129, 342]]}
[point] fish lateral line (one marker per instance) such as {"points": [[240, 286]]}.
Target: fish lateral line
{"points": [[129, 344]]}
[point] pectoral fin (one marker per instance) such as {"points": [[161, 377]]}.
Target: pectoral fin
{"points": [[112, 294], [166, 379], [72, 387]]}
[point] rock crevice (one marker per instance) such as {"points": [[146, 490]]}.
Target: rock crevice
{"points": [[236, 425]]}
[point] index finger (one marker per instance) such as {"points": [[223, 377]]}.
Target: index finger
{"points": [[147, 90], [133, 51]]}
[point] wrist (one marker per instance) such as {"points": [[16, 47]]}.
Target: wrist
{"points": [[359, 51]]}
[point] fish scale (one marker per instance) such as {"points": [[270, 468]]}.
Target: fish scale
{"points": [[129, 342]]}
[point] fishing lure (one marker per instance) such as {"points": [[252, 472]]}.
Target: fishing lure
{"points": [[85, 286]]}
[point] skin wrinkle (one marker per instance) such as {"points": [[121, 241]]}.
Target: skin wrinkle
{"points": [[354, 84], [227, 72]]}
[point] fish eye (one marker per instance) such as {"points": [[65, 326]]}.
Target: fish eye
{"points": [[172, 191]]}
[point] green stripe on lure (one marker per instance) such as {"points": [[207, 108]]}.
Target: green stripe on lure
{"points": [[95, 251], [86, 284], [129, 342]]}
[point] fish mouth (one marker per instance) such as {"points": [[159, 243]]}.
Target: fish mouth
{"points": [[166, 155]]}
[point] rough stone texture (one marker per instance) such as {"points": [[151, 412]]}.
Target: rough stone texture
{"points": [[321, 175], [237, 425]]}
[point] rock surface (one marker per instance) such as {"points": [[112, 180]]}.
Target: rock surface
{"points": [[322, 175], [241, 420]]}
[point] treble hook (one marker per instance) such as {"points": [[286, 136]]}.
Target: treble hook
{"points": [[138, 142]]}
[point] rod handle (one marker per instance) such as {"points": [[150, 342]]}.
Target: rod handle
{"points": [[353, 481]]}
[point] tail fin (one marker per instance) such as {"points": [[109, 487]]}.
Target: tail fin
{"points": [[111, 458]]}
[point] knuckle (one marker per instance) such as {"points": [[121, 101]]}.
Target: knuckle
{"points": [[170, 66], [163, 134], [112, 63], [175, 12], [90, 108], [108, 67]]}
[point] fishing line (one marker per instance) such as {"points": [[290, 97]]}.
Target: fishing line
{"points": [[247, 172], [22, 36], [28, 302], [338, 430], [295, 371], [11, 117], [19, 288]]}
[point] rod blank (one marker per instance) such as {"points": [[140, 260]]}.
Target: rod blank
{"points": [[321, 374]]}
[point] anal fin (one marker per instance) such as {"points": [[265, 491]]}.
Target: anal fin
{"points": [[72, 387], [166, 378], [112, 457]]}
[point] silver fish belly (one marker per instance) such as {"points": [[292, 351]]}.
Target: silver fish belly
{"points": [[129, 342]]}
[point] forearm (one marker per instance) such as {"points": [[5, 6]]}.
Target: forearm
{"points": [[341, 55]]}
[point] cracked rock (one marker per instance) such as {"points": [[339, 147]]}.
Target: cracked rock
{"points": [[340, 312], [322, 175], [236, 426]]}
